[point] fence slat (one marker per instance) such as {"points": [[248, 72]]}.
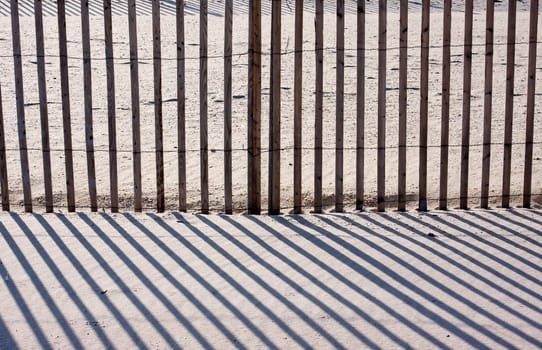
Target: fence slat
{"points": [[381, 170], [4, 188], [298, 106], [403, 66], [254, 107], [111, 107], [44, 115], [19, 94], [66, 113], [488, 94], [424, 90], [158, 133], [181, 136], [134, 82], [228, 22], [87, 87], [274, 112], [204, 156], [465, 129], [360, 106], [339, 109], [445, 111], [529, 122], [318, 110], [509, 103]]}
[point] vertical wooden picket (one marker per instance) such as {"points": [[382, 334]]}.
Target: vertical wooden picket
{"points": [[66, 113], [339, 109], [87, 87], [274, 112], [509, 103], [488, 94], [134, 80], [44, 114], [318, 110], [445, 107], [4, 188], [19, 96], [158, 133], [298, 106], [111, 107], [465, 129], [381, 157], [424, 91], [360, 106], [204, 155], [403, 61], [228, 22], [254, 107], [181, 132], [529, 124]]}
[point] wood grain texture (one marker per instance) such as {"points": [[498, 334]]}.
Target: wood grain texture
{"points": [[424, 91], [44, 113], [445, 104], [158, 128], [381, 156], [181, 110], [4, 185], [19, 98], [339, 109], [204, 154], [298, 108], [403, 67], [530, 115], [465, 128], [228, 38], [360, 105]]}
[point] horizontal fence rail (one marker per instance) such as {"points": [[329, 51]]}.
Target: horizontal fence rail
{"points": [[265, 52]]}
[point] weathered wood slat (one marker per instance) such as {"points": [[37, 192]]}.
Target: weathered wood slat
{"points": [[509, 103], [339, 109], [19, 97], [66, 113], [529, 122], [488, 95], [274, 112], [44, 114], [254, 108], [381, 156], [181, 132], [465, 129], [318, 110], [204, 155], [87, 88], [298, 107], [134, 80], [424, 91], [403, 67], [445, 107], [228, 38], [158, 129], [4, 187], [111, 107], [360, 106]]}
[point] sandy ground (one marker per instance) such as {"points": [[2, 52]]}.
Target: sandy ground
{"points": [[240, 108], [442, 280]]}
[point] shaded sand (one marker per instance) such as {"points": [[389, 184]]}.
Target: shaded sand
{"points": [[240, 109], [443, 280]]}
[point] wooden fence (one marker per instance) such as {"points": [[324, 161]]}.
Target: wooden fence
{"points": [[254, 111]]}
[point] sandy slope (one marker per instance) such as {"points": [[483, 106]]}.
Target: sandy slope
{"points": [[239, 105]]}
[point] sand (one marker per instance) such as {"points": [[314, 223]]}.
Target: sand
{"points": [[240, 108]]}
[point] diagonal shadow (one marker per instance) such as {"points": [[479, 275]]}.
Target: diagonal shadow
{"points": [[152, 287], [455, 263], [118, 279], [519, 214], [193, 299], [441, 270], [296, 337], [6, 339], [88, 278], [254, 328], [347, 325], [499, 261], [38, 284], [510, 230], [55, 270], [338, 275], [396, 277]]}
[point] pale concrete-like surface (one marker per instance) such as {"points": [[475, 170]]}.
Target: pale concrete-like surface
{"points": [[396, 280]]}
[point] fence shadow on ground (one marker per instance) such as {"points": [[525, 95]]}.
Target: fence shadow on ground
{"points": [[374, 280]]}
